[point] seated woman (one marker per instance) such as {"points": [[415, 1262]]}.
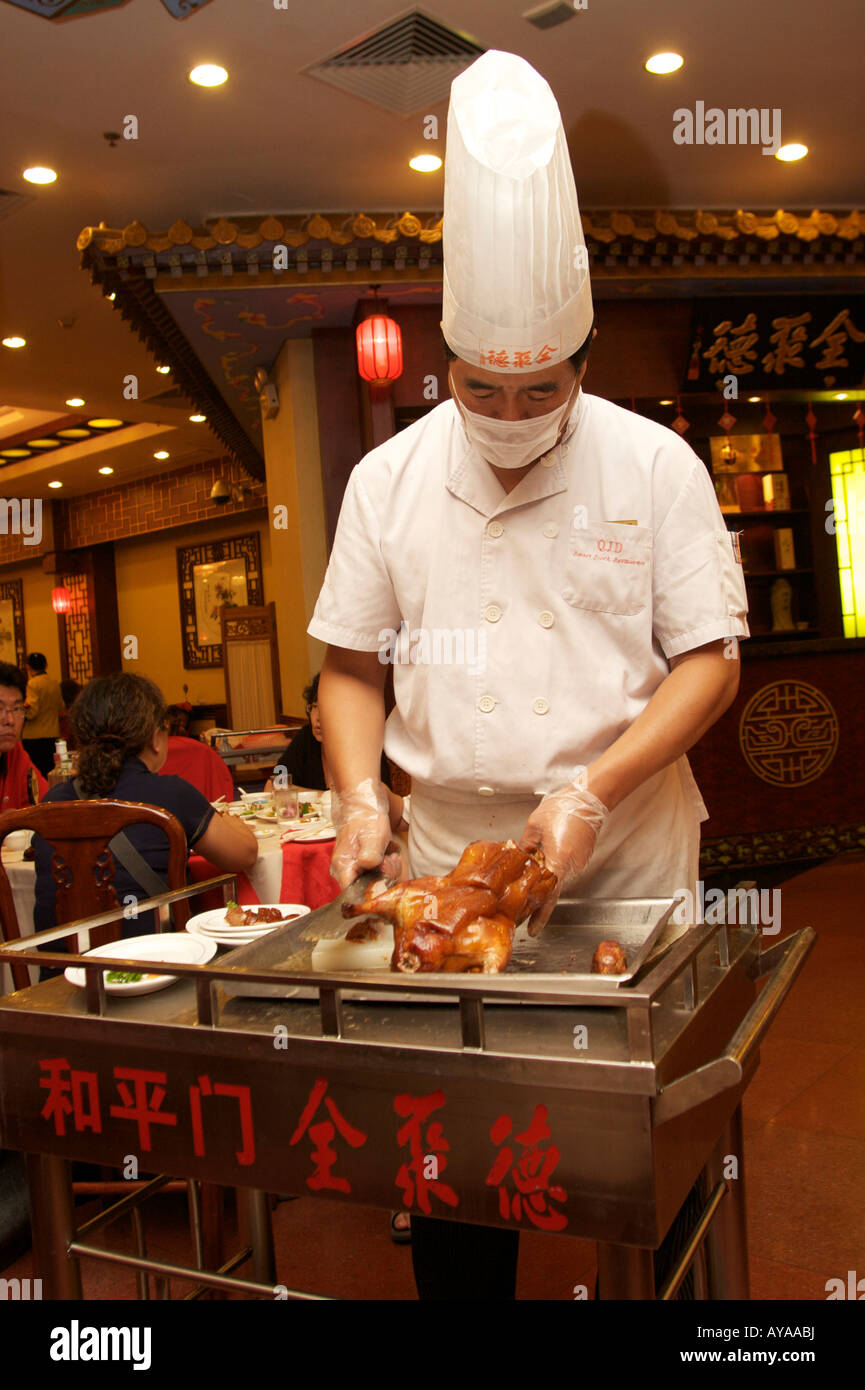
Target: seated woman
{"points": [[119, 722], [305, 760]]}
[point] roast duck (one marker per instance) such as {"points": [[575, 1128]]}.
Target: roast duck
{"points": [[464, 921]]}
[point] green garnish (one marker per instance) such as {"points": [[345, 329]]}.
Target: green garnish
{"points": [[230, 904], [122, 977]]}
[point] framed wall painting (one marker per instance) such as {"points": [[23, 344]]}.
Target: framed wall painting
{"points": [[210, 577], [12, 644]]}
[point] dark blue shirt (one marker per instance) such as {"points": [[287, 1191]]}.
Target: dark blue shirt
{"points": [[135, 783]]}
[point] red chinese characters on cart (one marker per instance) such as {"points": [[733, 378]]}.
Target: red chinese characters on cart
{"points": [[420, 1175], [529, 1173], [322, 1134], [74, 1095], [245, 1155], [71, 1094], [521, 1173]]}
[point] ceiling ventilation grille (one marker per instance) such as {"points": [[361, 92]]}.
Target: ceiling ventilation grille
{"points": [[406, 67]]}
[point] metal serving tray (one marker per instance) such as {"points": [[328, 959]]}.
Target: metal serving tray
{"points": [[564, 948]]}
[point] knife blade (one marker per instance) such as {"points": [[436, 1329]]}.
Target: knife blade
{"points": [[329, 922]]}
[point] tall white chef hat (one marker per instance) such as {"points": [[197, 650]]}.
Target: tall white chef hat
{"points": [[516, 293]]}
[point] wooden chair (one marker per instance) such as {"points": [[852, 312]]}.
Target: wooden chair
{"points": [[78, 833]]}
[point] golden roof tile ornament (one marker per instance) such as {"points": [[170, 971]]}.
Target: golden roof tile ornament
{"points": [[641, 227]]}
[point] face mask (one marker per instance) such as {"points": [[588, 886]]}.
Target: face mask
{"points": [[513, 443]]}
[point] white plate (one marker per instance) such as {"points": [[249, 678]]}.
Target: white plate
{"points": [[200, 935], [162, 947], [236, 931], [309, 836], [211, 926]]}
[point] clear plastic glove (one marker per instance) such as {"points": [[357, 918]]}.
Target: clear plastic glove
{"points": [[361, 818], [566, 827]]}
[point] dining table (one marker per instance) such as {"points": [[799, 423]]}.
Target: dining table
{"points": [[286, 871]]}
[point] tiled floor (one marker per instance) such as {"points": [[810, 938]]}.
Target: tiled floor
{"points": [[805, 1150]]}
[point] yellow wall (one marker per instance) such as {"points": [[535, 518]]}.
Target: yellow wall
{"points": [[149, 607], [40, 620]]}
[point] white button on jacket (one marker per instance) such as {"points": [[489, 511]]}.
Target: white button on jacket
{"points": [[412, 547]]}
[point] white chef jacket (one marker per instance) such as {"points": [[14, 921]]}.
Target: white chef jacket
{"points": [[537, 623]]}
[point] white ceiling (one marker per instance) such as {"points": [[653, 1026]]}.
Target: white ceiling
{"points": [[276, 140]]}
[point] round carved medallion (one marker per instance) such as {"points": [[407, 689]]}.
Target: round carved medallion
{"points": [[788, 733]]}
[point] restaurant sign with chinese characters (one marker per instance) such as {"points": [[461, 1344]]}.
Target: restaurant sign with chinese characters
{"points": [[788, 343], [433, 1148]]}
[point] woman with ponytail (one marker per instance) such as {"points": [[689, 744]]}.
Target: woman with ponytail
{"points": [[120, 725]]}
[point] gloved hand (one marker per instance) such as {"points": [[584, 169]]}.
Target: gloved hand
{"points": [[361, 818], [566, 826]]}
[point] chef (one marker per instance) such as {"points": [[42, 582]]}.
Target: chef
{"points": [[566, 598]]}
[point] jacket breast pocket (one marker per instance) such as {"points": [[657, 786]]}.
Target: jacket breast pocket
{"points": [[608, 569]]}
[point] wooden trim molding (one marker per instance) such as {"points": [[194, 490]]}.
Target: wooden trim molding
{"points": [[780, 846]]}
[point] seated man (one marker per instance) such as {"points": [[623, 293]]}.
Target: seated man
{"points": [[305, 761], [21, 784]]}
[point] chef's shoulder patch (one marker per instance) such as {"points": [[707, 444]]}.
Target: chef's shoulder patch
{"points": [[737, 549]]}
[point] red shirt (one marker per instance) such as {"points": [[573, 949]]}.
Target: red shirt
{"points": [[199, 764], [21, 784]]}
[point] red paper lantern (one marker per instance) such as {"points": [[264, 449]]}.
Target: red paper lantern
{"points": [[61, 600], [379, 350]]}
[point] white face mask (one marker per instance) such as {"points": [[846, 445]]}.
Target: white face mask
{"points": [[514, 443]]}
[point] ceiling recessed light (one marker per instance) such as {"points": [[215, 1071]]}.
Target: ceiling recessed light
{"points": [[104, 422], [43, 443], [208, 75], [840, 395], [106, 469], [162, 454], [112, 296], [74, 432], [665, 402], [163, 370], [15, 453], [197, 419], [55, 484], [76, 401], [754, 400], [39, 174], [662, 63], [14, 342], [425, 163], [788, 154]]}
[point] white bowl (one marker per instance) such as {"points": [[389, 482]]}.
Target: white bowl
{"points": [[18, 839]]}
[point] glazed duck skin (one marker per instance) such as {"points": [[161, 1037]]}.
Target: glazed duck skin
{"points": [[465, 920]]}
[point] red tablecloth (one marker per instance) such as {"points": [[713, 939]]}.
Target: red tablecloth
{"points": [[303, 876]]}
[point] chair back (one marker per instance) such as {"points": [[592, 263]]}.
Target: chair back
{"points": [[78, 833]]}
